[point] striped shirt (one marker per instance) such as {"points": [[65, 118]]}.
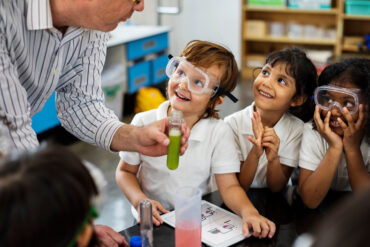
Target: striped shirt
{"points": [[36, 60]]}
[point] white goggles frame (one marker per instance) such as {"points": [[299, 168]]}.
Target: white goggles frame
{"points": [[172, 66], [351, 92]]}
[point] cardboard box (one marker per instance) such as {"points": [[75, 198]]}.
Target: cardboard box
{"points": [[255, 28]]}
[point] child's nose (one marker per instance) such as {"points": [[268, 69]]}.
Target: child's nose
{"points": [[183, 84], [335, 111]]}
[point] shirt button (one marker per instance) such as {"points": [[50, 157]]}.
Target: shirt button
{"points": [[55, 71]]}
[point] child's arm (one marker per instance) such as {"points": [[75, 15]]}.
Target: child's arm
{"points": [[353, 134], [314, 185], [277, 174], [128, 183], [249, 167], [236, 199]]}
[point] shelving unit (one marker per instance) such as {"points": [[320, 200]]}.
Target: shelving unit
{"points": [[344, 25]]}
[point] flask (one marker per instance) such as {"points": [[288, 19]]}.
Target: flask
{"points": [[175, 140], [146, 224]]}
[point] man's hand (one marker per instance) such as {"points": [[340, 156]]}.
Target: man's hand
{"points": [[108, 237], [151, 140]]}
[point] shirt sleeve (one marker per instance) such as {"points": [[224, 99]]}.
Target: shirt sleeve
{"points": [[224, 156], [80, 103], [289, 153], [15, 111], [312, 149], [232, 123], [132, 158]]}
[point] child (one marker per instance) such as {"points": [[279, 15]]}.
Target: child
{"points": [[335, 152], [199, 79], [267, 134], [46, 200]]}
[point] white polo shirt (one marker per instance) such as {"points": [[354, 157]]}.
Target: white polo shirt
{"points": [[313, 150], [289, 129], [211, 150]]}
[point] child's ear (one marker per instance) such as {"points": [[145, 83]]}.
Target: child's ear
{"points": [[84, 238], [220, 100], [298, 101]]}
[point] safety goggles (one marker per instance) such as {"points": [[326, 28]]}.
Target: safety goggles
{"points": [[179, 69], [326, 97]]}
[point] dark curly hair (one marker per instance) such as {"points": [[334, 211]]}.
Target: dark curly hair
{"points": [[355, 70], [301, 68]]}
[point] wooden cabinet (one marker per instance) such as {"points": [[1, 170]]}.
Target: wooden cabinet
{"points": [[342, 31]]}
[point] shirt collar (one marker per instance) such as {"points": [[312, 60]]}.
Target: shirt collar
{"points": [[247, 118], [199, 130], [39, 15]]}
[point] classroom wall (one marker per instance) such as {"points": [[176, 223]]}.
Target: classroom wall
{"points": [[213, 20]]}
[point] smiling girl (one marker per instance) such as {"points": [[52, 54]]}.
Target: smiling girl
{"points": [[335, 152], [267, 133]]}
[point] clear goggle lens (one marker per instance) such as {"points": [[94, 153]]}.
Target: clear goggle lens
{"points": [[178, 70], [329, 96]]}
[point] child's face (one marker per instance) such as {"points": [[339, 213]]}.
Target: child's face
{"points": [[273, 88], [182, 99], [337, 113]]}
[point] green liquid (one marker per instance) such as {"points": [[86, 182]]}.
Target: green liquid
{"points": [[174, 149]]}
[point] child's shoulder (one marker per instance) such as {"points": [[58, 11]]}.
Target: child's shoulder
{"points": [[148, 117], [240, 116]]}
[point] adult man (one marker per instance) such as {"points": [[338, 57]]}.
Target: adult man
{"points": [[52, 45]]}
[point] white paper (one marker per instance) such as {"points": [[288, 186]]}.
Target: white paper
{"points": [[220, 228]]}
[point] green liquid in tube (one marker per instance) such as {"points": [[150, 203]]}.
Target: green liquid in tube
{"points": [[174, 149]]}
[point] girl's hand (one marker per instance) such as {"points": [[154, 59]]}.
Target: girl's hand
{"points": [[257, 225], [333, 139], [271, 142], [353, 131], [156, 206], [258, 133]]}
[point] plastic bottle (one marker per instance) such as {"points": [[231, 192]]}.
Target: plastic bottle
{"points": [[146, 223], [135, 241], [175, 140]]}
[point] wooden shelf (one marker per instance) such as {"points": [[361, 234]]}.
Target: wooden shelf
{"points": [[344, 25], [291, 41], [357, 17], [351, 48], [286, 10]]}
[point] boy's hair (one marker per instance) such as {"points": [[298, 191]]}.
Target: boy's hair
{"points": [[45, 196], [355, 70], [301, 68], [205, 54]]}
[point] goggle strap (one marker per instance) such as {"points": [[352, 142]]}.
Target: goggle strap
{"points": [[221, 91]]}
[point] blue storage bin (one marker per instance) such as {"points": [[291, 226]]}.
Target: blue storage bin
{"points": [[159, 69], [358, 7], [138, 76], [47, 118], [142, 47]]}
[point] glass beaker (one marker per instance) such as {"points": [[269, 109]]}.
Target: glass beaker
{"points": [[188, 217]]}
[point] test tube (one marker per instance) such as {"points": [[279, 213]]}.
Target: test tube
{"points": [[146, 223], [175, 139]]}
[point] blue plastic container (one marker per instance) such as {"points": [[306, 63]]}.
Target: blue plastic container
{"points": [[358, 7]]}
